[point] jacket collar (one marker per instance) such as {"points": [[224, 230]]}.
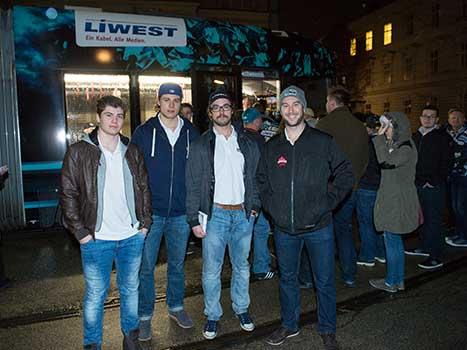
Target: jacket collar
{"points": [[283, 138], [94, 139]]}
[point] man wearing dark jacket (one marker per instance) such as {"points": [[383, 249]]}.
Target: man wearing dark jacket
{"points": [[221, 188], [303, 175], [433, 166], [107, 206], [351, 136], [261, 266], [165, 141]]}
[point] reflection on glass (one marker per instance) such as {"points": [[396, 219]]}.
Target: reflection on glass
{"points": [[148, 87], [263, 89], [81, 94]]}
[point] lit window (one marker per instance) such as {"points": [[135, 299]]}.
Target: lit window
{"points": [[353, 47], [387, 33], [369, 41]]}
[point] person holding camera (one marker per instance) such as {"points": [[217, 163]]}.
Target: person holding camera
{"points": [[397, 206]]}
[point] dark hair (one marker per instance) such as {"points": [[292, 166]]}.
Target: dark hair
{"points": [[186, 104], [340, 95], [452, 110], [431, 108], [111, 101]]}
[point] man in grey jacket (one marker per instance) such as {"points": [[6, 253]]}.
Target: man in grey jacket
{"points": [[221, 187]]}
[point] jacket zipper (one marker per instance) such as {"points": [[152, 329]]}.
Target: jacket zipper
{"points": [[171, 182], [292, 191]]}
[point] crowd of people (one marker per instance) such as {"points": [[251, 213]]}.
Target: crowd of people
{"points": [[236, 183]]}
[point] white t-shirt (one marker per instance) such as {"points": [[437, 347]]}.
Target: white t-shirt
{"points": [[173, 135], [116, 219], [228, 170]]}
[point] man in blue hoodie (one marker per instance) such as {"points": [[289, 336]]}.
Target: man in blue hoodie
{"points": [[165, 142]]}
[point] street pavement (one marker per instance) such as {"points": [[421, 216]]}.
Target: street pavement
{"points": [[41, 309], [429, 316]]}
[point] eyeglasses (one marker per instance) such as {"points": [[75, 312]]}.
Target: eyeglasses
{"points": [[225, 108], [428, 117]]}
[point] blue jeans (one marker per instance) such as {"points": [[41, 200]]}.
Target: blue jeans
{"points": [[372, 243], [305, 276], [97, 258], [458, 187], [226, 228], [176, 232], [395, 262], [320, 247], [344, 237], [261, 256], [432, 201]]}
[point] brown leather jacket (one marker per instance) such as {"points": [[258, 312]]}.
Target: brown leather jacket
{"points": [[79, 192]]}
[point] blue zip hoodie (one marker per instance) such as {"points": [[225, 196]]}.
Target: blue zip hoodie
{"points": [[165, 165]]}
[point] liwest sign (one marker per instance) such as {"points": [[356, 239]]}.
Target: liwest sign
{"points": [[115, 29]]}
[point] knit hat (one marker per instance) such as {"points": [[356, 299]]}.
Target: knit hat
{"points": [[170, 88], [295, 91], [250, 115], [220, 93]]}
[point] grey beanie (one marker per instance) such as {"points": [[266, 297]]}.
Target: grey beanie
{"points": [[295, 91]]}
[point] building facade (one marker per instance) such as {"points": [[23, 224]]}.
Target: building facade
{"points": [[408, 54]]}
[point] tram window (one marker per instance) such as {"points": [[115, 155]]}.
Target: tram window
{"points": [[258, 89], [148, 87], [81, 94]]}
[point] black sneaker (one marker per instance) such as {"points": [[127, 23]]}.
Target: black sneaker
{"points": [[264, 275], [430, 264], [280, 335], [329, 341], [416, 252]]}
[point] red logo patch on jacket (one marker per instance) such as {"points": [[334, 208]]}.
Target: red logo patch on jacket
{"points": [[281, 162]]}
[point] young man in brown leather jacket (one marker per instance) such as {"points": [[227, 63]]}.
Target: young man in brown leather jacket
{"points": [[107, 206]]}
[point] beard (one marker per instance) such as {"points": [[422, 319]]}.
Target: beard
{"points": [[295, 123], [224, 121]]}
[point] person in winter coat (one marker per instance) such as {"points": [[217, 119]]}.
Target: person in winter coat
{"points": [[397, 207]]}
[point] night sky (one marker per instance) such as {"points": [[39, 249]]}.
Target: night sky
{"points": [[316, 19]]}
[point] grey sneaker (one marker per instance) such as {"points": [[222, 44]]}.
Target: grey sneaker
{"points": [[400, 286], [280, 335], [380, 283], [182, 318], [145, 330], [131, 342]]}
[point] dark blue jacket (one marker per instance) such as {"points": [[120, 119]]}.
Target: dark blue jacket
{"points": [[165, 165]]}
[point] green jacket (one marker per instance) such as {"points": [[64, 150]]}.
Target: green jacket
{"points": [[351, 137], [397, 207]]}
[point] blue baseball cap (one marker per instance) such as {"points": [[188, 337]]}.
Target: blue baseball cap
{"points": [[250, 115], [170, 88]]}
